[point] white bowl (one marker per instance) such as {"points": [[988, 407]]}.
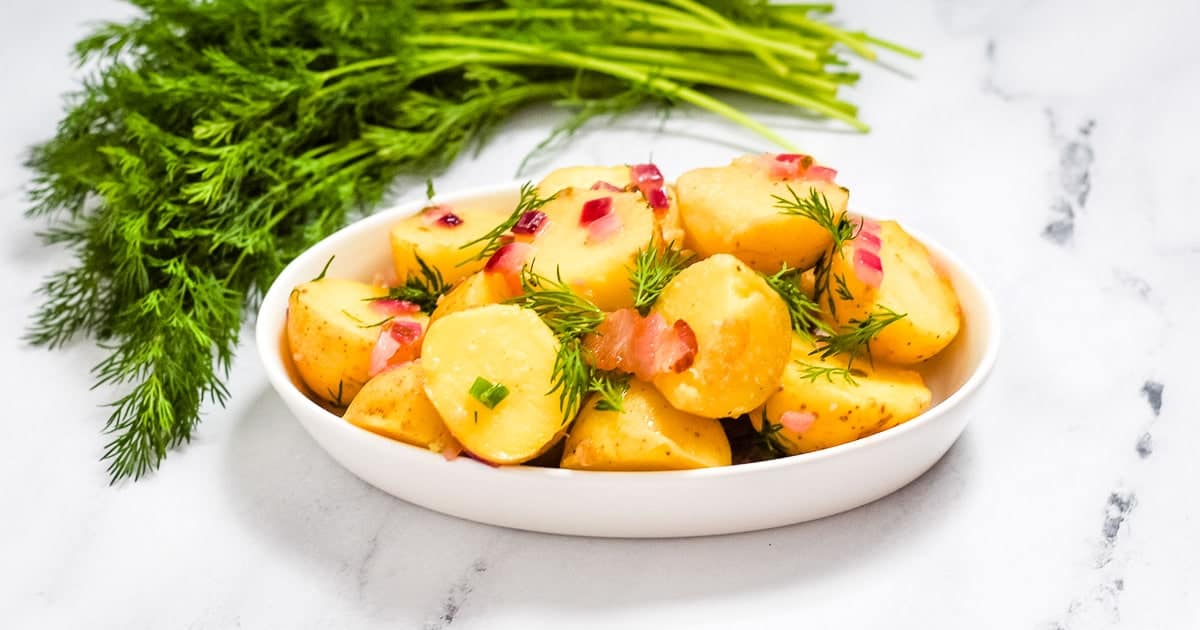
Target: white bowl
{"points": [[631, 504]]}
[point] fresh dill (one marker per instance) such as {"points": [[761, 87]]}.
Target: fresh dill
{"points": [[528, 202], [337, 397], [430, 193], [324, 270], [488, 394], [651, 272], [813, 373], [840, 288], [840, 227], [804, 314], [855, 339], [610, 388], [362, 324], [423, 288], [769, 439]]}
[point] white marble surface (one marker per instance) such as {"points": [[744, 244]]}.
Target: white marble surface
{"points": [[1052, 143]]}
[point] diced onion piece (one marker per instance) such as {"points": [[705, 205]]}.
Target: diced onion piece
{"points": [[399, 343], [646, 176], [797, 421], [868, 240], [603, 185], [442, 215], [393, 307], [868, 267], [658, 200], [531, 222], [820, 174], [508, 261], [595, 209]]}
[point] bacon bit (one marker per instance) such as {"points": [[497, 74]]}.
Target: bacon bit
{"points": [[869, 226], [820, 174], [392, 306], [868, 267], [442, 215], [646, 176], [398, 344], [644, 346], [530, 223], [868, 240], [658, 200], [604, 228], [804, 161], [797, 421], [603, 185], [508, 261], [595, 209]]}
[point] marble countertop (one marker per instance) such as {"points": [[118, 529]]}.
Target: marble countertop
{"points": [[1051, 143]]}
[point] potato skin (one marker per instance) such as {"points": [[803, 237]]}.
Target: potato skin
{"points": [[330, 338], [393, 404], [478, 289], [741, 328], [731, 210], [599, 271], [504, 344], [439, 245], [911, 285], [883, 398], [647, 434]]}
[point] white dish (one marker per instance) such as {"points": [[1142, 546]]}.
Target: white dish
{"points": [[638, 504]]}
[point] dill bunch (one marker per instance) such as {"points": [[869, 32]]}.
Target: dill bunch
{"points": [[215, 140]]}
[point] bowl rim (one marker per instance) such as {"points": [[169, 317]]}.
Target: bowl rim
{"points": [[273, 363]]}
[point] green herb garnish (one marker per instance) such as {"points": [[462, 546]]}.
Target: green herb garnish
{"points": [[611, 389], [423, 288], [324, 270], [816, 208], [488, 394], [805, 315], [855, 339], [651, 272], [768, 437], [813, 373]]}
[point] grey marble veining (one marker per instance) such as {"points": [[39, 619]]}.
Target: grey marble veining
{"points": [[1049, 142]]}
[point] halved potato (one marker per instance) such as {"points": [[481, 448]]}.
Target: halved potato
{"points": [[911, 285], [506, 345], [478, 289], [741, 328], [331, 329], [597, 270], [731, 210], [647, 434], [879, 398], [670, 225], [393, 404], [438, 244]]}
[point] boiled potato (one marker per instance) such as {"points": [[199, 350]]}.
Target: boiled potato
{"points": [[731, 210], [911, 285], [880, 397], [647, 434], [741, 328], [670, 225], [438, 244], [332, 327], [597, 270], [393, 404], [478, 289], [506, 345]]}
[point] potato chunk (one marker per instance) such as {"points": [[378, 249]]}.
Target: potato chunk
{"points": [[506, 345], [647, 434], [911, 285], [597, 269], [478, 289], [731, 210], [393, 404], [741, 329], [331, 335], [669, 223], [438, 242], [879, 398]]}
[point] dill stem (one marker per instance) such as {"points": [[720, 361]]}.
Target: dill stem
{"points": [[659, 56], [764, 55], [801, 21], [603, 66]]}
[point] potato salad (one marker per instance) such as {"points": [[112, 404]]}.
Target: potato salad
{"points": [[612, 321]]}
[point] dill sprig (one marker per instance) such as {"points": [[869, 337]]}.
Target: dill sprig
{"points": [[855, 339], [768, 437], [212, 142], [423, 288], [652, 270], [816, 208], [611, 388], [569, 316], [805, 314], [529, 201], [813, 373]]}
